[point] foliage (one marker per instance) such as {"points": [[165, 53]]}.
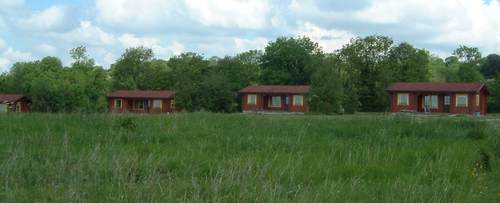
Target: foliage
{"points": [[491, 66], [327, 91], [287, 61], [409, 64], [494, 89], [133, 70], [369, 59]]}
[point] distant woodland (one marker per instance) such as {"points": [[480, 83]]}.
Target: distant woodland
{"points": [[351, 79]]}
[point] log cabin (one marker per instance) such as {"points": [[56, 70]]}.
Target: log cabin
{"points": [[14, 103], [140, 101], [275, 98], [452, 98]]}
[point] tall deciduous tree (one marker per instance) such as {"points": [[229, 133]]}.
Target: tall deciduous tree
{"points": [[409, 64], [327, 91], [287, 61], [368, 59], [491, 66], [132, 68], [186, 78]]}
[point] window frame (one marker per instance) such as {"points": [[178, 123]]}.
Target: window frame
{"points": [[249, 101], [115, 103], [457, 96], [407, 95], [137, 104], [295, 103], [447, 100], [478, 100], [160, 102], [271, 101], [5, 108], [432, 104]]}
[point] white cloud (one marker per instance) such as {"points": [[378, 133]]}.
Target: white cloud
{"points": [[51, 18], [87, 33], [130, 40], [136, 14], [46, 49], [329, 39], [242, 45], [229, 13], [230, 45]]}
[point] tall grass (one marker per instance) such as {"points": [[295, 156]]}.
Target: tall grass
{"points": [[232, 157]]}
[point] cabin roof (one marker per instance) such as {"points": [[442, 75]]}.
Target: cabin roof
{"points": [[11, 97], [142, 94], [277, 89], [435, 87]]}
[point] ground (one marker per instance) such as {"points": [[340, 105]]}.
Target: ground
{"points": [[201, 157]]}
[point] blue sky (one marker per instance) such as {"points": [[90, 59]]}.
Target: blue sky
{"points": [[30, 29]]}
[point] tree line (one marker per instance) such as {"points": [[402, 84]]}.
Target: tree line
{"points": [[351, 79]]}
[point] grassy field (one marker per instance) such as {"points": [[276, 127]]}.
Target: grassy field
{"points": [[204, 157]]}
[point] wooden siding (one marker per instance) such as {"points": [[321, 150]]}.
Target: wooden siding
{"points": [[416, 102], [262, 103], [127, 106]]}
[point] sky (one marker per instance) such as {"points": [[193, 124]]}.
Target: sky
{"points": [[33, 29]]}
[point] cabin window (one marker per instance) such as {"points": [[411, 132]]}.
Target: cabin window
{"points": [[431, 101], [252, 99], [477, 100], [3, 108], [447, 100], [298, 100], [138, 104], [157, 104], [18, 107], [172, 104], [461, 100], [403, 99], [118, 103], [276, 101]]}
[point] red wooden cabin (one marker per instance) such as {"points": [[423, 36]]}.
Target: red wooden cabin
{"points": [[14, 103], [275, 98], [453, 98], [138, 101]]}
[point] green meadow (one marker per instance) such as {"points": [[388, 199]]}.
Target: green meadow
{"points": [[205, 157]]}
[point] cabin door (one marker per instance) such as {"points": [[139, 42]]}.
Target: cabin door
{"points": [[286, 103], [446, 106]]}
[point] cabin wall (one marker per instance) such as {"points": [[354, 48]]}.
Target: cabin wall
{"points": [[262, 104], [416, 103], [148, 108], [412, 104], [252, 107]]}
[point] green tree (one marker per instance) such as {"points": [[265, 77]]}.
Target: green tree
{"points": [[88, 82], [186, 76], [366, 62], [287, 61], [409, 64], [467, 54], [131, 70], [490, 66], [469, 60], [225, 78], [327, 91], [494, 89], [437, 69]]}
